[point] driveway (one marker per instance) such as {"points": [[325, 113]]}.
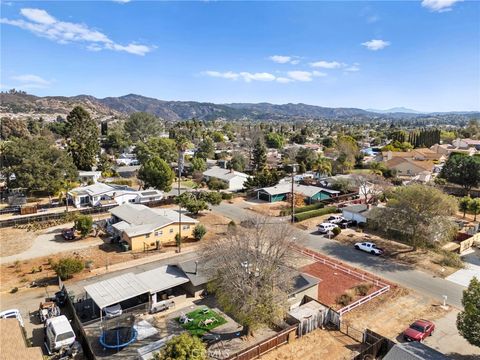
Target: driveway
{"points": [[472, 268], [49, 243], [447, 340]]}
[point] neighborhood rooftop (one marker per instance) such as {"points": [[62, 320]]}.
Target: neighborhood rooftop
{"points": [[305, 190], [223, 174]]}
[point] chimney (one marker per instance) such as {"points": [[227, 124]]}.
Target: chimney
{"points": [[196, 267]]}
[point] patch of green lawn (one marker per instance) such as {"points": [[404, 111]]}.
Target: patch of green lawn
{"points": [[196, 327]]}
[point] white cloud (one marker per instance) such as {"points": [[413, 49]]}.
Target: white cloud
{"points": [[353, 68], [299, 75], [326, 64], [375, 44], [42, 24], [318, 73], [281, 59], [30, 78], [244, 75], [121, 1], [284, 80], [439, 5]]}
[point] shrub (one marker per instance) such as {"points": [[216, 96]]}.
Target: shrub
{"points": [[302, 209], [84, 224], [67, 267], [313, 213], [336, 231], [344, 299], [14, 290], [199, 232], [451, 259], [362, 289], [127, 182], [216, 184], [227, 196]]}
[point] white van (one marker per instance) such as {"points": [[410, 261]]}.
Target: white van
{"points": [[324, 228], [58, 334]]}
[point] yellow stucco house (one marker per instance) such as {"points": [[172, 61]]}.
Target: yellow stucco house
{"points": [[144, 228]]}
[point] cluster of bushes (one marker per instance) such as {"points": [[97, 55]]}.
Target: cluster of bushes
{"points": [[199, 232], [288, 211], [348, 296], [216, 184], [67, 267], [313, 213], [451, 259], [127, 182], [227, 196]]}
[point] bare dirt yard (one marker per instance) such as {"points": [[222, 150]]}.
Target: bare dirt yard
{"points": [[269, 209], [425, 259], [14, 241], [334, 283]]}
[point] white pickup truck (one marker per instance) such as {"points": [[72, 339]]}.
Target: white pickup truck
{"points": [[369, 247], [58, 334]]}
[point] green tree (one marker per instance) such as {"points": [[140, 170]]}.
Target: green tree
{"points": [[65, 268], [84, 224], [464, 204], [462, 170], [13, 128], [217, 136], [262, 179], [192, 202], [183, 347], [198, 164], [199, 232], [156, 173], [259, 156], [468, 320], [474, 207], [117, 139], [274, 140], [308, 157], [328, 142], [156, 146], [36, 164], [238, 162], [82, 132], [206, 149], [420, 212], [141, 125], [216, 184]]}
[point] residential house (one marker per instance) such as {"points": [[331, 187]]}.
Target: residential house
{"points": [[103, 194], [234, 180], [281, 192], [144, 228], [127, 171], [358, 213], [197, 272], [447, 149], [418, 163], [414, 351], [12, 342], [409, 166], [89, 177], [466, 143]]}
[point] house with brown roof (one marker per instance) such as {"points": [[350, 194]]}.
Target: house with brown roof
{"points": [[420, 154], [410, 167]]}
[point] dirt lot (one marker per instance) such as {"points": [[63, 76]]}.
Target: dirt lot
{"points": [[319, 344], [424, 259], [215, 223], [334, 283], [269, 209], [14, 241]]}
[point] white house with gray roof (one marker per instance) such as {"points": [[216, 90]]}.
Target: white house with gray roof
{"points": [[235, 180]]}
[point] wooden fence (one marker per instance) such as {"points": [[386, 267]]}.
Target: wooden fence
{"points": [[374, 346], [257, 350]]}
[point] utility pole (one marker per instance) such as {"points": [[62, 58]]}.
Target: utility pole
{"points": [[179, 208], [293, 194]]}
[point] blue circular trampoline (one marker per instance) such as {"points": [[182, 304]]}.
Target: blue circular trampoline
{"points": [[118, 338]]}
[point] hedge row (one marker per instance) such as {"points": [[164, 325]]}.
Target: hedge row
{"points": [[303, 209], [313, 213]]}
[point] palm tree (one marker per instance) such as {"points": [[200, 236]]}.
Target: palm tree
{"points": [[464, 204], [65, 187], [475, 207], [323, 166]]}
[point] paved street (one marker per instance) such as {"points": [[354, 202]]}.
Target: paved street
{"points": [[404, 275]]}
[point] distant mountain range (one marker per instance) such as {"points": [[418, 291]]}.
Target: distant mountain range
{"points": [[395, 110], [21, 104]]}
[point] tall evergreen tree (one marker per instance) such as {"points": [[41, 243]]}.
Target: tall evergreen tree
{"points": [[259, 156], [82, 133]]}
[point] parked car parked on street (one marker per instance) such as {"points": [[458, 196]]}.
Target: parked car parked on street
{"points": [[347, 223], [324, 228], [369, 247], [419, 330]]}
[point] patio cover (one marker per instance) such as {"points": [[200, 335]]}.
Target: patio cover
{"points": [[163, 278], [114, 290]]}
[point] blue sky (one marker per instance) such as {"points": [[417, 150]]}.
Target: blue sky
{"points": [[423, 55]]}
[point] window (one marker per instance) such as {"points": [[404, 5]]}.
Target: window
{"points": [[186, 227], [147, 236], [158, 233], [171, 231]]}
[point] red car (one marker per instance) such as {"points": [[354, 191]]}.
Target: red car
{"points": [[419, 330]]}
